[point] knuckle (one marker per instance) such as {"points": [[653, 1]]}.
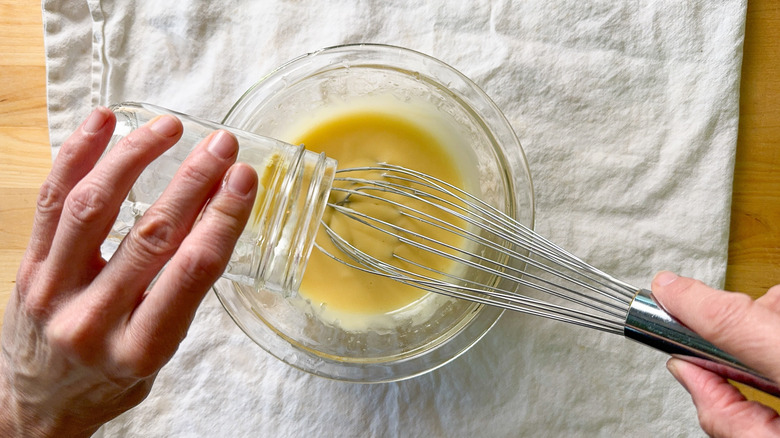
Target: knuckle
{"points": [[196, 175], [50, 198], [199, 269], [131, 143], [87, 204], [712, 394], [141, 356], [136, 148], [39, 296], [38, 305], [141, 142], [229, 216], [76, 338], [727, 313], [156, 235], [140, 366]]}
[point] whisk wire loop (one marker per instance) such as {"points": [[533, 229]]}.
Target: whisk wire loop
{"points": [[512, 249], [477, 212], [480, 254], [508, 300], [473, 260]]}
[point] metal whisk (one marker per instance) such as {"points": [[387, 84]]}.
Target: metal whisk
{"points": [[494, 260]]}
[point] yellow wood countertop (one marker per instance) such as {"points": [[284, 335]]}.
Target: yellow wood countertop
{"points": [[754, 244]]}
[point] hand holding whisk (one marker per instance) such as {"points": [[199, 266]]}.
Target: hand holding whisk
{"points": [[440, 238]]}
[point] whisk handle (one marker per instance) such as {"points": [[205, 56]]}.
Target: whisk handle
{"points": [[649, 324]]}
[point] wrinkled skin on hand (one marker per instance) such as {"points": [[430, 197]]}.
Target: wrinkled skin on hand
{"points": [[745, 328], [82, 338]]}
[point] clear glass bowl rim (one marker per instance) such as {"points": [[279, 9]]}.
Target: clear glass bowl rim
{"points": [[492, 119]]}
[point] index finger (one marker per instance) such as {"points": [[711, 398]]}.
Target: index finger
{"points": [[732, 321], [75, 159], [92, 205]]}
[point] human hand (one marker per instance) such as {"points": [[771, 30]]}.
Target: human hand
{"points": [[747, 329], [83, 339]]}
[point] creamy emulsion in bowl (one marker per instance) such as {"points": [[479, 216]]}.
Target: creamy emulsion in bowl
{"points": [[362, 105]]}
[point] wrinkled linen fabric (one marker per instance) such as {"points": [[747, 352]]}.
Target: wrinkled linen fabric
{"points": [[627, 111]]}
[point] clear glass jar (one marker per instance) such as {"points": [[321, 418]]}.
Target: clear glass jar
{"points": [[272, 251]]}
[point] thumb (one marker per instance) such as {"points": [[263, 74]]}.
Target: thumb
{"points": [[732, 321]]}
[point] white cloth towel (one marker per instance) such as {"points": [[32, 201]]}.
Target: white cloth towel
{"points": [[628, 113]]}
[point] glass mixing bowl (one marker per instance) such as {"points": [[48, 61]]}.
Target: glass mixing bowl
{"points": [[388, 77]]}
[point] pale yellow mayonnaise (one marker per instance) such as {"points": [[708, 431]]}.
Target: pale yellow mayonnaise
{"points": [[365, 136]]}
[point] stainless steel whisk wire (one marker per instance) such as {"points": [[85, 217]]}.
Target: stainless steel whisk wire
{"points": [[605, 297], [587, 296]]}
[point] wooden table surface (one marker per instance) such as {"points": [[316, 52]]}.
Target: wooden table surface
{"points": [[754, 244]]}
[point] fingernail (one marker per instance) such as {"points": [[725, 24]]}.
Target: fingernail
{"points": [[673, 365], [240, 179], [167, 126], [665, 278], [222, 145], [96, 120]]}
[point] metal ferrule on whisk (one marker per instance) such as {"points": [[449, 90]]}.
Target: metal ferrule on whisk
{"points": [[651, 325]]}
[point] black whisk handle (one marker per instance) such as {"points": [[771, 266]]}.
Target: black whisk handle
{"points": [[649, 324]]}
